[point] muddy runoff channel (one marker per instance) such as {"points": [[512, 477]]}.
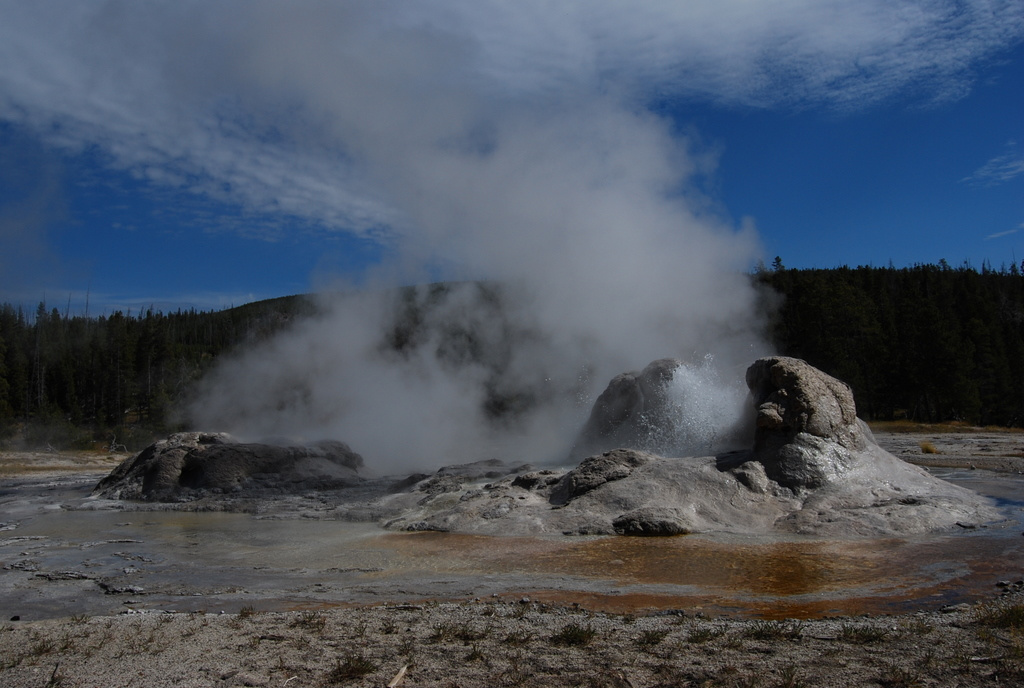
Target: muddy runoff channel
{"points": [[58, 560]]}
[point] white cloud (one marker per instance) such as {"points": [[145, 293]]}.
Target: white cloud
{"points": [[999, 169], [282, 106], [999, 235]]}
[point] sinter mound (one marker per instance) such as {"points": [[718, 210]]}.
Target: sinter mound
{"points": [[191, 465], [814, 468]]}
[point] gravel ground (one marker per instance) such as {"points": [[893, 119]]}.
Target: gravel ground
{"points": [[517, 643]]}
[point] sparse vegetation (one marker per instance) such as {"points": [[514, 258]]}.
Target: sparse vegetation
{"points": [[652, 637], [702, 633], [863, 634], [928, 448], [773, 630], [976, 648], [518, 638], [458, 632], [311, 620], [574, 635], [1000, 615], [355, 666]]}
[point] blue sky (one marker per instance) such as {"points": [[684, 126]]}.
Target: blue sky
{"points": [[202, 155]]}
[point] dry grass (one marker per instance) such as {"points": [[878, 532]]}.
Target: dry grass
{"points": [[912, 427], [541, 646], [34, 463], [928, 448]]}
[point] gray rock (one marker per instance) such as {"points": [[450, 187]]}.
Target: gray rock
{"points": [[191, 464], [626, 412], [596, 471], [651, 521], [814, 468], [806, 428], [670, 408]]}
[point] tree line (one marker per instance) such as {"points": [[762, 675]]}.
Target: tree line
{"points": [[926, 343], [74, 381]]}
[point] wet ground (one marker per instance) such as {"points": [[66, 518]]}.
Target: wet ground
{"points": [[59, 560]]}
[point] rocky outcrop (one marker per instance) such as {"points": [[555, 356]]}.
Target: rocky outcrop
{"points": [[814, 468], [596, 471], [806, 432], [194, 464], [670, 408]]}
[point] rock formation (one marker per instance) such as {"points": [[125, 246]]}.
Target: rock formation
{"points": [[189, 465], [627, 409], [807, 430], [814, 468]]}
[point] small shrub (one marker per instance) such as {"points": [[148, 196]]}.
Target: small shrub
{"points": [[475, 655], [518, 638], [928, 448], [313, 621], [461, 632], [790, 678], [574, 635], [701, 634], [354, 666], [42, 646], [918, 627], [773, 630], [862, 635], [1001, 616], [651, 638], [246, 612]]}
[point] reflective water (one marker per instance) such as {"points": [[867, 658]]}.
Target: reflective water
{"points": [[56, 561]]}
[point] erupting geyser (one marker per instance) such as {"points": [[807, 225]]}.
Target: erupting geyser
{"points": [[813, 468], [670, 408]]}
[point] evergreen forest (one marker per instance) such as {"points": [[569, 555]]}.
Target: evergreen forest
{"points": [[928, 343], [78, 382]]}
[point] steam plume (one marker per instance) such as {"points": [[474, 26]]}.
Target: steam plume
{"points": [[475, 140], [602, 262]]}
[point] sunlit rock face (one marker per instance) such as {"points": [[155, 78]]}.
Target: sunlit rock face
{"points": [[806, 431]]}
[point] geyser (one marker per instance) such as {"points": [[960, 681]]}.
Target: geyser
{"points": [[671, 407], [812, 467], [420, 377]]}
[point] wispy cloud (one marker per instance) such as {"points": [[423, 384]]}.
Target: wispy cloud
{"points": [[999, 235], [999, 169], [292, 108]]}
